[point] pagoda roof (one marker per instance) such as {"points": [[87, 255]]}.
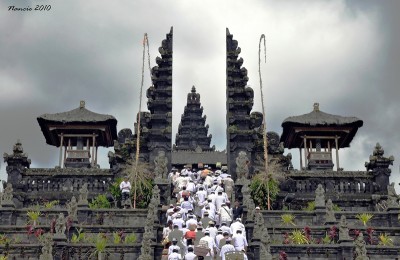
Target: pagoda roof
{"points": [[51, 124], [319, 123]]}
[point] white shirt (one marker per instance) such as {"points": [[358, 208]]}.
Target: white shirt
{"points": [[201, 194], [239, 241], [172, 247], [125, 187], [236, 226], [190, 256], [225, 213], [226, 248], [178, 222], [219, 200], [211, 244], [174, 256]]}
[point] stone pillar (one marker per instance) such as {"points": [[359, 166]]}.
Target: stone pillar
{"points": [[393, 216], [6, 216]]}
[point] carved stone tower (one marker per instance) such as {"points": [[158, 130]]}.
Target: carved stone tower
{"points": [[244, 131], [156, 125], [192, 131]]}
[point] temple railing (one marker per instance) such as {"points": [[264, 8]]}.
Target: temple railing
{"points": [[59, 183], [343, 182]]}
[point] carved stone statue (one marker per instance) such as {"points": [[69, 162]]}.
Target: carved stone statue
{"points": [[72, 208], [393, 198], [258, 224], [83, 195], [319, 197], [360, 249], [7, 194], [60, 224], [330, 214], [161, 165], [242, 169], [47, 247], [265, 249], [155, 198], [228, 185], [343, 229]]}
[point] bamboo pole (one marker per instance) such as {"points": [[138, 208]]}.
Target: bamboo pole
{"points": [[145, 42], [264, 120]]}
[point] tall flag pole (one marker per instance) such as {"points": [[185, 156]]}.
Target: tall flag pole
{"points": [[264, 120]]}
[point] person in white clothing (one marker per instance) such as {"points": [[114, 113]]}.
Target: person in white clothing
{"points": [[125, 187], [190, 255], [237, 225], [219, 200], [239, 241], [225, 213], [210, 243], [174, 255], [226, 248], [173, 247]]}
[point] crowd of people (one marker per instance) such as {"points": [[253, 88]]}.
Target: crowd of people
{"points": [[203, 217]]}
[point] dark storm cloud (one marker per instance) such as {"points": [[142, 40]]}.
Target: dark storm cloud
{"points": [[339, 53]]}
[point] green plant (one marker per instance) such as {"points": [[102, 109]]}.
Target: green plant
{"points": [[115, 190], [51, 204], [100, 202], [258, 188], [263, 182], [130, 238], [79, 237], [117, 238], [336, 208], [142, 182], [326, 239], [4, 240], [299, 237], [385, 240], [310, 206], [100, 243], [364, 217], [288, 219], [3, 257], [33, 216]]}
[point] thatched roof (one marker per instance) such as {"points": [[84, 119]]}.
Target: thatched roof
{"points": [[79, 116], [320, 123]]}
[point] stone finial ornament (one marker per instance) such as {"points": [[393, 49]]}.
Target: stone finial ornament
{"points": [[161, 165], [319, 197], [242, 169], [360, 249], [72, 208], [343, 229], [83, 195], [393, 198], [330, 214]]}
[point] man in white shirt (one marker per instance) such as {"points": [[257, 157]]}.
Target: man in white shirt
{"points": [[173, 247], [225, 213], [210, 243], [174, 255], [178, 221], [201, 194], [219, 200], [226, 248], [190, 255], [235, 226], [239, 241], [125, 187]]}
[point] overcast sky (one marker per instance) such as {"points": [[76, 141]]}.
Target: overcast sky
{"points": [[342, 54]]}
